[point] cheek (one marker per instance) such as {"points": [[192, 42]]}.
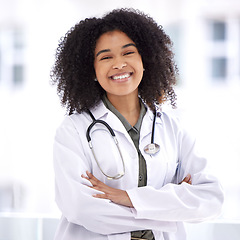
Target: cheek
{"points": [[101, 74], [137, 62], [139, 68], [100, 70]]}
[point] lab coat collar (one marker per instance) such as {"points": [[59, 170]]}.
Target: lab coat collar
{"points": [[148, 122], [150, 114], [101, 112]]}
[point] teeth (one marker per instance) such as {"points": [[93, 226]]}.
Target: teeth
{"points": [[121, 76]]}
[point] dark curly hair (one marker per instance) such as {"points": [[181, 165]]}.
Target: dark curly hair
{"points": [[74, 73]]}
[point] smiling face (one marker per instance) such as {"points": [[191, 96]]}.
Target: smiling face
{"points": [[118, 64]]}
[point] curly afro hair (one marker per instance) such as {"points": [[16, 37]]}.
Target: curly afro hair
{"points": [[73, 71]]}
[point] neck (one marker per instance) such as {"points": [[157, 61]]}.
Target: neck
{"points": [[128, 106]]}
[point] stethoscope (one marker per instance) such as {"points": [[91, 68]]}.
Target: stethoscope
{"points": [[150, 149]]}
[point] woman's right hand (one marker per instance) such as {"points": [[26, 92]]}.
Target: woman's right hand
{"points": [[117, 196]]}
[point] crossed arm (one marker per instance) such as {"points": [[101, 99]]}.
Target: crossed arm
{"points": [[117, 196]]}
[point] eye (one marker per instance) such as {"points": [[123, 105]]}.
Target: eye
{"points": [[105, 58], [129, 53]]}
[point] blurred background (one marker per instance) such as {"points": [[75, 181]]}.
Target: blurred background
{"points": [[206, 37]]}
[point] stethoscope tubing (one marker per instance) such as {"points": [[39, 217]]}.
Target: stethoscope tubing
{"points": [[153, 127], [151, 148], [101, 122], [95, 121]]}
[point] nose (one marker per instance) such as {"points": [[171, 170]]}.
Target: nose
{"points": [[119, 64]]}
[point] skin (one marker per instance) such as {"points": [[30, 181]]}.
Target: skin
{"points": [[116, 56], [119, 70]]}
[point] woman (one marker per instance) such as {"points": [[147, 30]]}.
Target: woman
{"points": [[119, 69]]}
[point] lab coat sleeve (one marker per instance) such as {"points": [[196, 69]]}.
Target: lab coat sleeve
{"points": [[74, 196], [181, 202]]}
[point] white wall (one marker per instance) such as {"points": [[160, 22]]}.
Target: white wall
{"points": [[30, 114]]}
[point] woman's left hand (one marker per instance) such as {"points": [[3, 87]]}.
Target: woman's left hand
{"points": [[115, 195]]}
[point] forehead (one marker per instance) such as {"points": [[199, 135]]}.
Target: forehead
{"points": [[112, 39]]}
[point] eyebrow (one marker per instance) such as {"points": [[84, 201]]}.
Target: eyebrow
{"points": [[103, 51], [108, 50], [128, 45]]}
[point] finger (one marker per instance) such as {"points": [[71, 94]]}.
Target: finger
{"points": [[187, 178], [88, 175], [190, 180], [90, 185], [94, 181], [91, 176], [103, 196], [83, 176], [87, 178]]}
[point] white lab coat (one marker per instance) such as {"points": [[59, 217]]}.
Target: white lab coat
{"points": [[161, 206]]}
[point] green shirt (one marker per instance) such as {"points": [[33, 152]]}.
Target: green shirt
{"points": [[134, 132]]}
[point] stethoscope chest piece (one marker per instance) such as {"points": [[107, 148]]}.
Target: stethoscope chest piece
{"points": [[152, 148]]}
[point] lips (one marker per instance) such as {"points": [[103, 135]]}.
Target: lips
{"points": [[121, 76]]}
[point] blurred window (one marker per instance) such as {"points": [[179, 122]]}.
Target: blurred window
{"points": [[175, 33], [218, 50], [18, 39], [219, 68], [12, 57], [219, 31], [18, 74], [11, 195]]}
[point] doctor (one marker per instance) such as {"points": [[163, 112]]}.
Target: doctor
{"points": [[117, 71]]}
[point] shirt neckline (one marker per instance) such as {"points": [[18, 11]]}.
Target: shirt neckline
{"points": [[124, 121]]}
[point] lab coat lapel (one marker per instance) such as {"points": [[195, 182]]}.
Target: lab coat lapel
{"points": [[118, 127], [101, 112], [148, 122], [146, 129]]}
